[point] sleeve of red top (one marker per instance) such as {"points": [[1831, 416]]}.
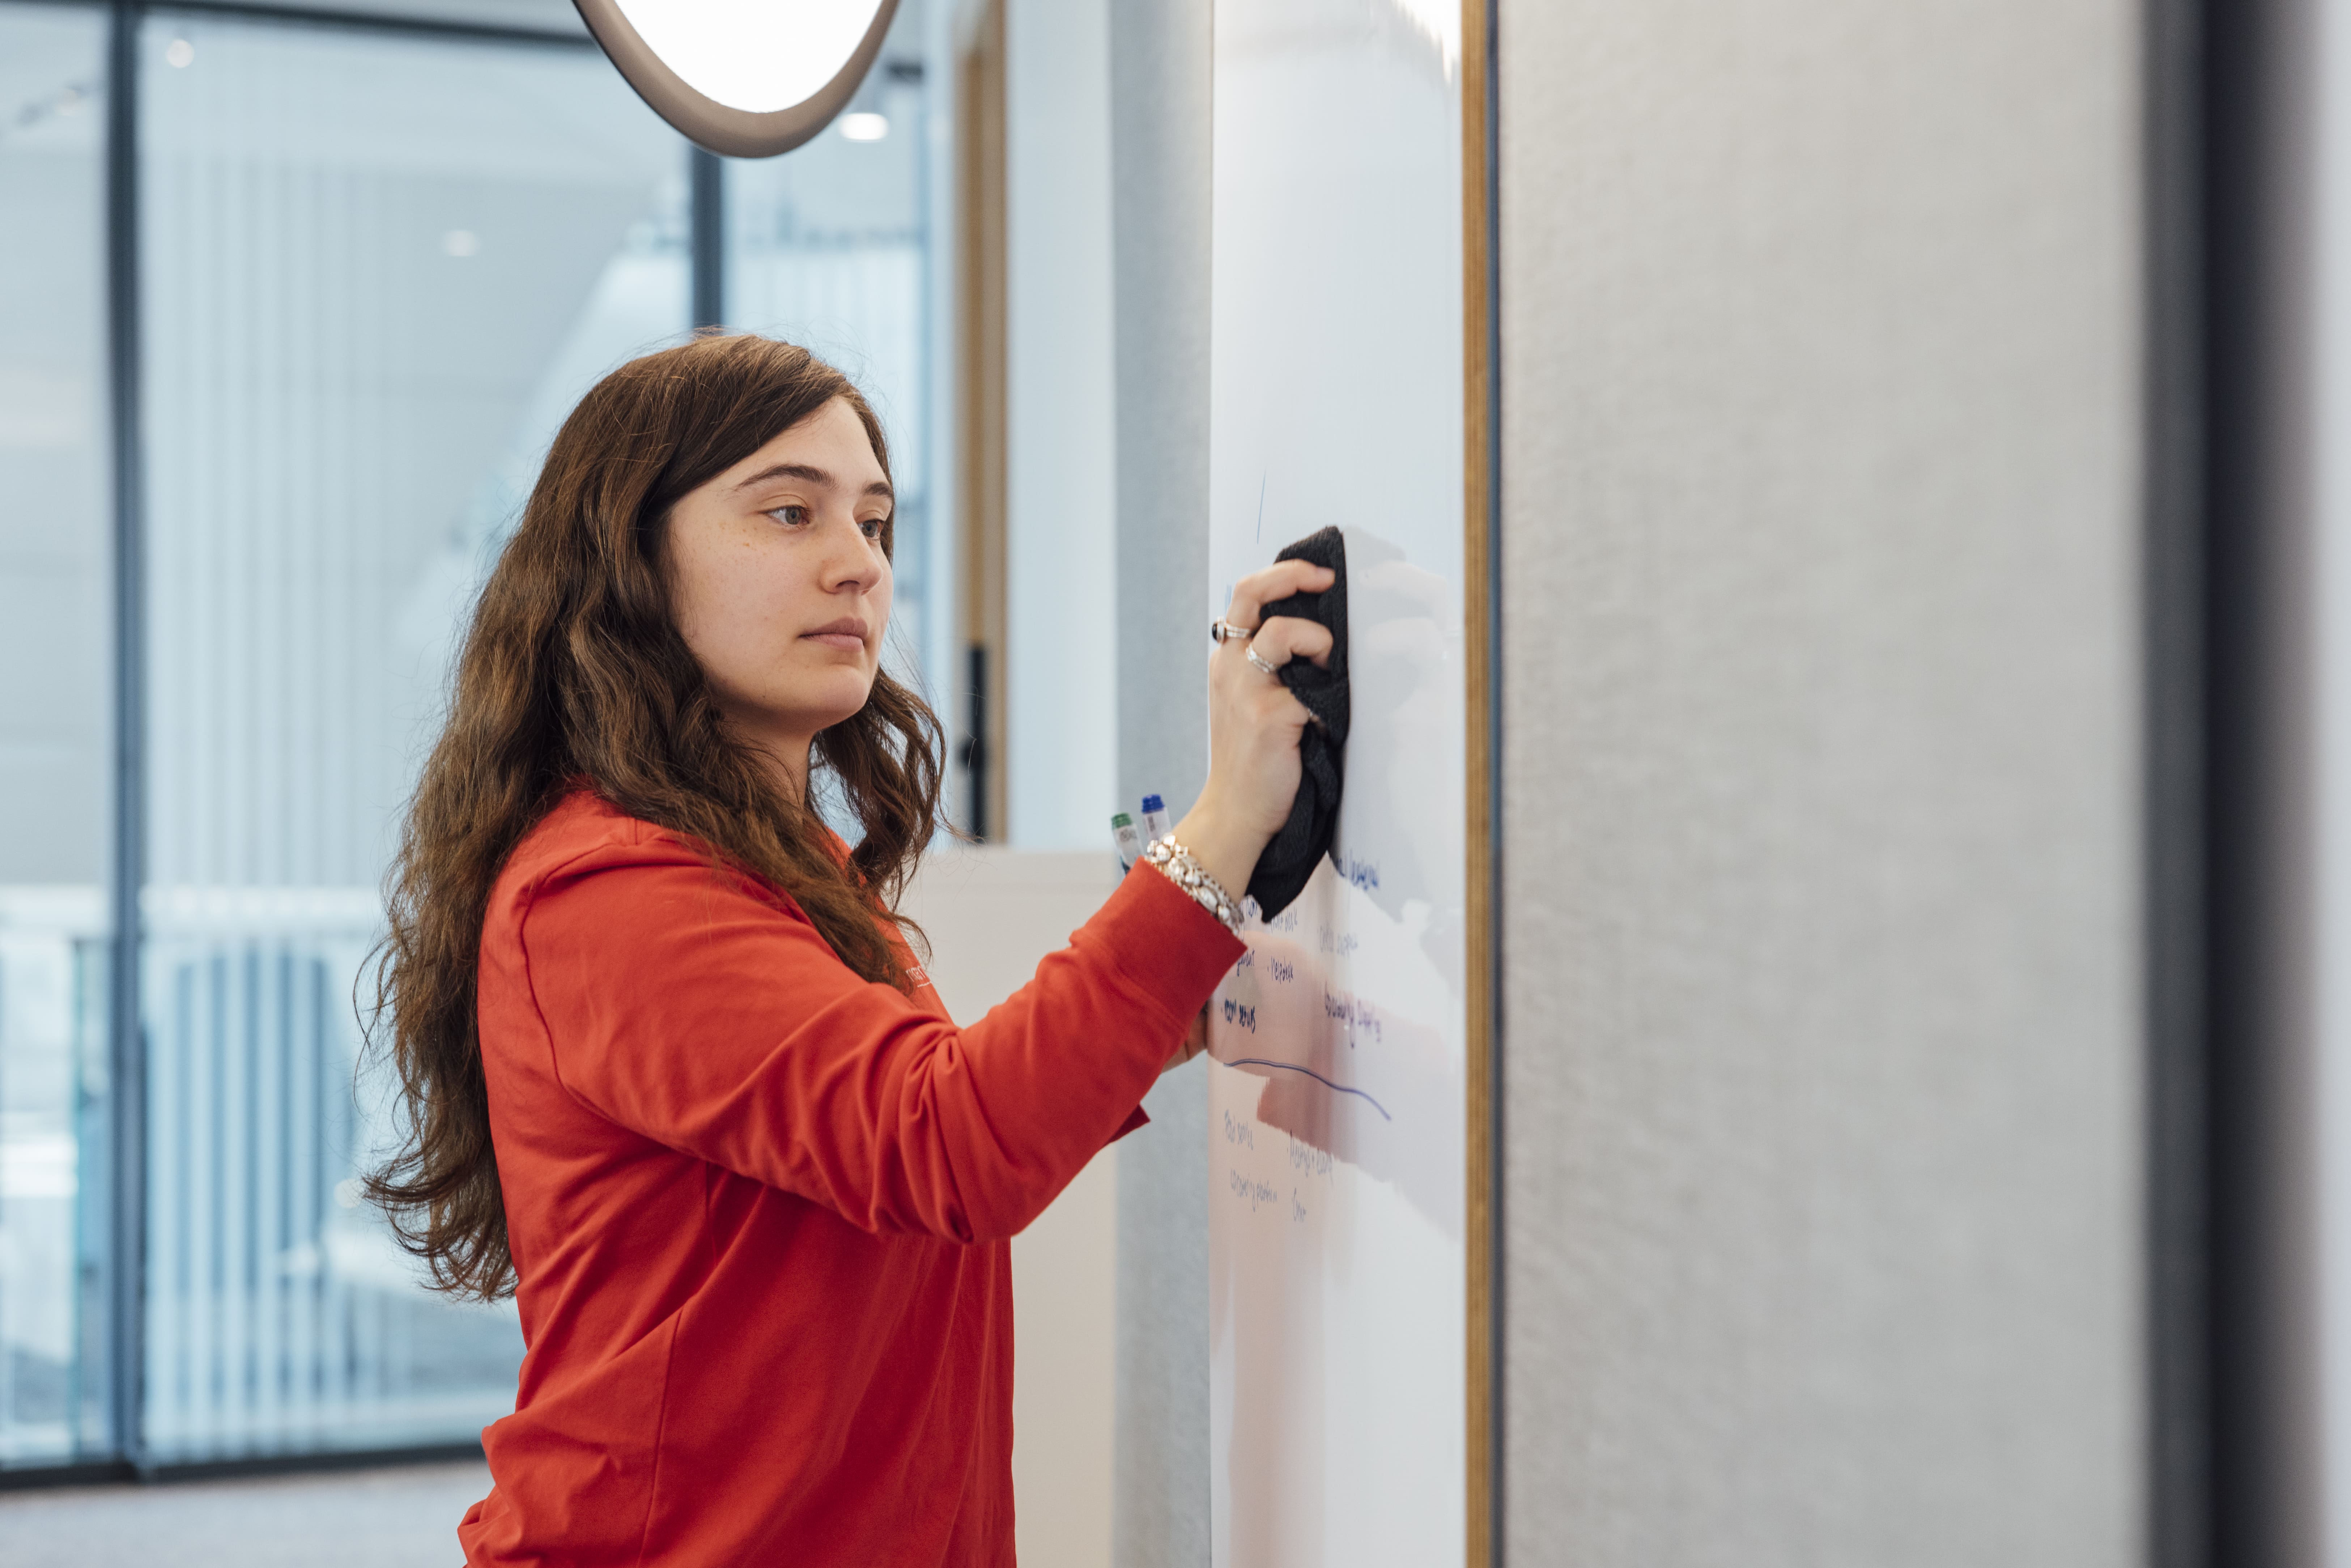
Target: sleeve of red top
{"points": [[685, 1007]]}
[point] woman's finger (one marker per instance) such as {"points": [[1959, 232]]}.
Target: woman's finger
{"points": [[1252, 593], [1287, 637]]}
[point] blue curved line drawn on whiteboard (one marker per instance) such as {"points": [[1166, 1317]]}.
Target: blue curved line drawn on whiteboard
{"points": [[1293, 1066]]}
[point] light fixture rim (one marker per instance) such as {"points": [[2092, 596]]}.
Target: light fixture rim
{"points": [[715, 127]]}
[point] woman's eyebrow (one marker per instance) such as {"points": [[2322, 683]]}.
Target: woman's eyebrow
{"points": [[812, 475], [787, 471]]}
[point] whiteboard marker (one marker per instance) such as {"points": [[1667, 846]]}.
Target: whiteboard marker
{"points": [[1156, 825], [1130, 842]]}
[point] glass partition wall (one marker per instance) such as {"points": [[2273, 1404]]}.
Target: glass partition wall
{"points": [[360, 270], [375, 270], [56, 737]]}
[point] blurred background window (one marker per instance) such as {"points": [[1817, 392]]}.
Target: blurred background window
{"points": [[372, 260], [56, 733], [377, 270]]}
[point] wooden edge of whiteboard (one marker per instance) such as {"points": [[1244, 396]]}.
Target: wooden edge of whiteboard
{"points": [[980, 429], [1482, 1547]]}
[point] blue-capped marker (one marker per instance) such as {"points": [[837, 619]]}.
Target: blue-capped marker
{"points": [[1156, 825], [1130, 842]]}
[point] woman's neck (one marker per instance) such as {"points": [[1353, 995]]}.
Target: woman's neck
{"points": [[785, 757]]}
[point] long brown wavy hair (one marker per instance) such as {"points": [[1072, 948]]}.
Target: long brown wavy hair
{"points": [[574, 675]]}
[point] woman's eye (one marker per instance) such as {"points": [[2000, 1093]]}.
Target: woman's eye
{"points": [[790, 512], [871, 526]]}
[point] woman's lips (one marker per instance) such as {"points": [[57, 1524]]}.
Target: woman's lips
{"points": [[847, 634]]}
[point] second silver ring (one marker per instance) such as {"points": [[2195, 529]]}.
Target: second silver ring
{"points": [[1257, 659]]}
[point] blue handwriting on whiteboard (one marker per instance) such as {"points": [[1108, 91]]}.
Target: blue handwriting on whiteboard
{"points": [[1327, 1083], [1358, 1018]]}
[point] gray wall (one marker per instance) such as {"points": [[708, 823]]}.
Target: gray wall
{"points": [[1823, 1039], [1159, 122]]}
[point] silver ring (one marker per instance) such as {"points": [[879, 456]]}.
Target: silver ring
{"points": [[1273, 670], [1221, 632]]}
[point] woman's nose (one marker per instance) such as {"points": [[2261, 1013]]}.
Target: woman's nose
{"points": [[851, 561]]}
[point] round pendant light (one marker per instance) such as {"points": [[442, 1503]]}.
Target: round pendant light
{"points": [[750, 79]]}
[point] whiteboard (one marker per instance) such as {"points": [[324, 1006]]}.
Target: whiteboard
{"points": [[1338, 1101]]}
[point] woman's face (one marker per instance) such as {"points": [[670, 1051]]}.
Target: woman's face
{"points": [[782, 590]]}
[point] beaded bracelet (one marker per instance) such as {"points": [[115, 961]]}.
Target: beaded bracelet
{"points": [[1176, 863]]}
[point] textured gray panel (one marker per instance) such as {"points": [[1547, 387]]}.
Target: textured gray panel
{"points": [[1159, 171], [1823, 1042], [1159, 117], [1159, 1510]]}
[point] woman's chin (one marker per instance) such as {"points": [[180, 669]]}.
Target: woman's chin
{"points": [[811, 704], [840, 699]]}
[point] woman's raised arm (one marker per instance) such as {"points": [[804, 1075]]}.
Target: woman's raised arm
{"points": [[715, 1020]]}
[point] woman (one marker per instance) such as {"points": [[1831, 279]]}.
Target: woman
{"points": [[672, 1075]]}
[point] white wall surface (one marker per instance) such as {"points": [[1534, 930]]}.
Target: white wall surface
{"points": [[1822, 1031], [1061, 718], [992, 914]]}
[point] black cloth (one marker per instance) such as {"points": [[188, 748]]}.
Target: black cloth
{"points": [[1282, 870]]}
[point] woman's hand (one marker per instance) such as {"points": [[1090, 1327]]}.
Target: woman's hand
{"points": [[1195, 1041], [1254, 723]]}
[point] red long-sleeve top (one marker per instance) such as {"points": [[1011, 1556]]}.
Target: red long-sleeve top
{"points": [[760, 1207]]}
